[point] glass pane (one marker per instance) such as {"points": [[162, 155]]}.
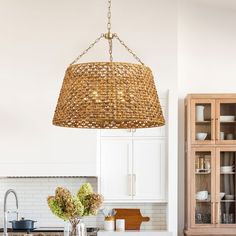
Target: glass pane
{"points": [[203, 121], [203, 187], [227, 187], [227, 121]]}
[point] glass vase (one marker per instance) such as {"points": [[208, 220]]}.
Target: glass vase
{"points": [[75, 227]]}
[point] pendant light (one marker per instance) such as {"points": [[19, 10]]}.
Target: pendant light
{"points": [[108, 94]]}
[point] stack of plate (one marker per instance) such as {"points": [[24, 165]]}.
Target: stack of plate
{"points": [[226, 169]]}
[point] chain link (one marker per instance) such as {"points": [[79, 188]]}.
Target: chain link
{"points": [[109, 29], [128, 49], [108, 36], [110, 50], [109, 17], [86, 50]]}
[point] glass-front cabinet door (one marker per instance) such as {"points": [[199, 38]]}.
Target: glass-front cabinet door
{"points": [[203, 121], [203, 187], [225, 186], [226, 121]]}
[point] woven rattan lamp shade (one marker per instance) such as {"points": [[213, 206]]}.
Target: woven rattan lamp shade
{"points": [[108, 95]]}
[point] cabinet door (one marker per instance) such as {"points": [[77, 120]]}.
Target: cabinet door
{"points": [[226, 121], [202, 182], [149, 173], [203, 121], [116, 156], [225, 186]]}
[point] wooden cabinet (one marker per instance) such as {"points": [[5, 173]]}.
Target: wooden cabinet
{"points": [[213, 119], [210, 165], [202, 125], [133, 164], [226, 121]]}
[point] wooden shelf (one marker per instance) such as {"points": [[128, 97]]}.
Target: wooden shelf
{"points": [[202, 173], [203, 201], [228, 173], [203, 122], [227, 201], [227, 122]]}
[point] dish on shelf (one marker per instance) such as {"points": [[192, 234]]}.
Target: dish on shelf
{"points": [[203, 171], [201, 136], [229, 197], [227, 118], [222, 195], [226, 169], [202, 195]]}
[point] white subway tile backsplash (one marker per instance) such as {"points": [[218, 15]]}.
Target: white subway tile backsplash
{"points": [[33, 192]]}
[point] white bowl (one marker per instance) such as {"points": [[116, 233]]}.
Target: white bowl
{"points": [[227, 118], [201, 136], [229, 197], [222, 195]]}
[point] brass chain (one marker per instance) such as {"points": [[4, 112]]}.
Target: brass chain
{"points": [[128, 49], [109, 17], [109, 29], [86, 50], [110, 50], [108, 36]]}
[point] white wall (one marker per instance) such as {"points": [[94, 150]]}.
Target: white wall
{"points": [[38, 41], [206, 59], [40, 38], [33, 192]]}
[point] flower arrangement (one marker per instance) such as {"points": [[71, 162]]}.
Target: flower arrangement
{"points": [[68, 207]]}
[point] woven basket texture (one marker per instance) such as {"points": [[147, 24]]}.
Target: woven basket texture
{"points": [[108, 95]]}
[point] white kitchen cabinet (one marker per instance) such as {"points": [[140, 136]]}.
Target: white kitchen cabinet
{"points": [[132, 164], [132, 169], [149, 169], [116, 169]]}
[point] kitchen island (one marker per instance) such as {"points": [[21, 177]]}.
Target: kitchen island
{"points": [[46, 231], [134, 233]]}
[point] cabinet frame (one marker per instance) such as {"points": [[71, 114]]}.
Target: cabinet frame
{"points": [[218, 104], [218, 175], [193, 124], [193, 185], [216, 146], [215, 101]]}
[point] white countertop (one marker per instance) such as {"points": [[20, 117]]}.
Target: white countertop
{"points": [[135, 232]]}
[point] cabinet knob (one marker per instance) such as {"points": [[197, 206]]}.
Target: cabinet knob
{"points": [[134, 184], [130, 184]]}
